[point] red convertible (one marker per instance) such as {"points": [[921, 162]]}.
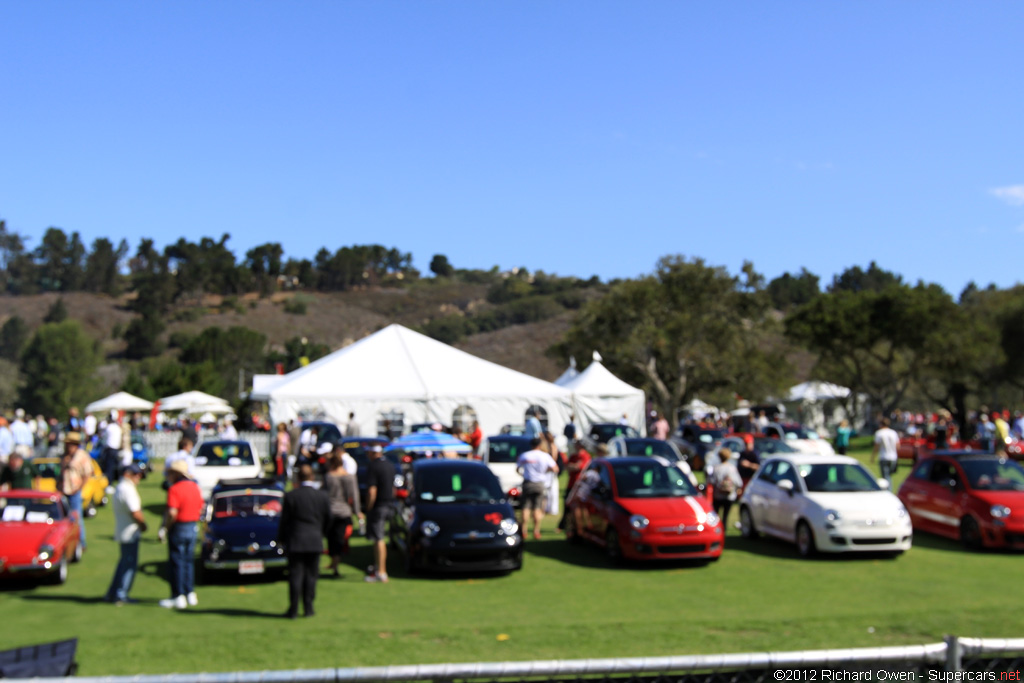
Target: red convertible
{"points": [[978, 499], [38, 537], [642, 508]]}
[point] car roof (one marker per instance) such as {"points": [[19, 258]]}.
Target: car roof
{"points": [[447, 463], [508, 437], [252, 483], [31, 493], [627, 459], [814, 459]]}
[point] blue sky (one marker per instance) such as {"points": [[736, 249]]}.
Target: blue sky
{"points": [[575, 137]]}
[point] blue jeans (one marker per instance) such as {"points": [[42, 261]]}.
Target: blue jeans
{"points": [[124, 575], [75, 501], [181, 542], [886, 468]]}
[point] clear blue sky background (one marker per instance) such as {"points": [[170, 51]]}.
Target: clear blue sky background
{"points": [[575, 137]]}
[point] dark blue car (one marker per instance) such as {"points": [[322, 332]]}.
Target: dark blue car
{"points": [[242, 518]]}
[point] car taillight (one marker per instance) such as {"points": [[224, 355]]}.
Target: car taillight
{"points": [[407, 459], [513, 492]]}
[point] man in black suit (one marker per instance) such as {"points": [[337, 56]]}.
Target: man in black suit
{"points": [[305, 517]]}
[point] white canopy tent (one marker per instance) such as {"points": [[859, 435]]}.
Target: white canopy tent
{"points": [[570, 373], [400, 372], [179, 402], [122, 400], [818, 404], [600, 396], [817, 391]]}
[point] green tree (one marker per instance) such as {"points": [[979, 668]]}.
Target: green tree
{"points": [[440, 267], [789, 291], [60, 261], [17, 269], [689, 329], [228, 352], [58, 367], [264, 262], [103, 267], [855, 279], [154, 290], [875, 342], [13, 336], [57, 312]]}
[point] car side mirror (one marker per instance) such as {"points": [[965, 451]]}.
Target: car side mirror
{"points": [[787, 486]]}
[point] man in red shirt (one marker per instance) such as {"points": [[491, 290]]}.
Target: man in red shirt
{"points": [[184, 505]]}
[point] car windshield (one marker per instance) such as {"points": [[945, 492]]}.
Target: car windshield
{"points": [[837, 478], [710, 435], [994, 475], [506, 451], [224, 455], [798, 432], [650, 480], [32, 510], [652, 447], [47, 468], [604, 433], [768, 445], [247, 503], [457, 485]]}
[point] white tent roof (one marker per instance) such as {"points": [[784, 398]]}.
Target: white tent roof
{"points": [[122, 400], [600, 396], [817, 391], [184, 401], [570, 373], [398, 369]]}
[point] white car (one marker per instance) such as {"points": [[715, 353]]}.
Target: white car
{"points": [[216, 460], [801, 438], [500, 454], [824, 504]]}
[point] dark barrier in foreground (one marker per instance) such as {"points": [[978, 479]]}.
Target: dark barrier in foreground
{"points": [[955, 659], [50, 659]]}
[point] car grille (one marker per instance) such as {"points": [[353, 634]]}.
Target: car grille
{"points": [[475, 536], [1015, 539], [872, 541], [679, 549]]}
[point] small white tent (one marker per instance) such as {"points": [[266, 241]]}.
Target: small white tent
{"points": [[122, 400], [600, 396], [179, 402], [397, 372]]}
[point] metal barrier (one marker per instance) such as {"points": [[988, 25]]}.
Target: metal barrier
{"points": [[991, 660]]}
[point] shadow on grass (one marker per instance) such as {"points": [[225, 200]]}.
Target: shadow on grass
{"points": [[82, 599], [229, 612], [767, 546], [588, 555]]}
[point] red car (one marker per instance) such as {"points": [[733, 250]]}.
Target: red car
{"points": [[642, 508], [38, 537], [977, 499]]}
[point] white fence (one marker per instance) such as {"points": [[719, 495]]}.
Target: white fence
{"points": [[162, 444]]}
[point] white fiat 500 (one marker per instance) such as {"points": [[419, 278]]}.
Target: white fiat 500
{"points": [[827, 504]]}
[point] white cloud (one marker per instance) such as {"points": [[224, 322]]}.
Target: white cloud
{"points": [[1011, 194]]}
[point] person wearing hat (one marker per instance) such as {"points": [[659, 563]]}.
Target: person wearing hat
{"points": [[75, 471], [128, 527], [184, 505]]}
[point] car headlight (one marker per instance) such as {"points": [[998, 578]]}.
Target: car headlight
{"points": [[901, 512], [832, 515], [45, 553], [509, 527], [999, 511], [639, 522], [711, 519], [430, 529]]}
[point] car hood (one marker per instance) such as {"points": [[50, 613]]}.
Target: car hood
{"points": [[465, 515], [686, 510], [854, 506], [23, 539], [245, 530], [1012, 499]]}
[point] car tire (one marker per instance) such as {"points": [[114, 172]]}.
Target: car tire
{"points": [[970, 533], [571, 534], [612, 546], [747, 528], [60, 576], [90, 511], [805, 540]]}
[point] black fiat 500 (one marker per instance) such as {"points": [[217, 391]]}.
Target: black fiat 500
{"points": [[242, 518], [452, 516]]}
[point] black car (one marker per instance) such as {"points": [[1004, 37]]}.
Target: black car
{"points": [[603, 432], [695, 441], [455, 517], [241, 521], [357, 448]]}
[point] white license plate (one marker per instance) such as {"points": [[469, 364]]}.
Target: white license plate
{"points": [[251, 567]]}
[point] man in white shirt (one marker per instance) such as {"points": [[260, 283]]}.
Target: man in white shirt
{"points": [[184, 452], [229, 433], [22, 433], [352, 428], [537, 468], [887, 441], [128, 527], [111, 448]]}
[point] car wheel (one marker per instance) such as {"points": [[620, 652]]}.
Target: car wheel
{"points": [[805, 540], [61, 575], [970, 533], [105, 499], [612, 546], [747, 527], [571, 534], [90, 511]]}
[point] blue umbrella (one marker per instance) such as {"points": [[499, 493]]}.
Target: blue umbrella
{"points": [[434, 442]]}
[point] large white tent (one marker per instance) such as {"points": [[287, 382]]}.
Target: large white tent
{"points": [[600, 396], [398, 371]]}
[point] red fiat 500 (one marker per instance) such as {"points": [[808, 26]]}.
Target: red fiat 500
{"points": [[978, 499], [643, 508], [38, 538]]}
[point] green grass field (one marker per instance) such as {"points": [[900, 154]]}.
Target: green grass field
{"points": [[567, 602]]}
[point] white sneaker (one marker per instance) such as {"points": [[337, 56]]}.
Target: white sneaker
{"points": [[180, 602], [193, 599]]}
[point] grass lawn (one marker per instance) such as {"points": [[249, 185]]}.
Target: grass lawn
{"points": [[567, 602]]}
